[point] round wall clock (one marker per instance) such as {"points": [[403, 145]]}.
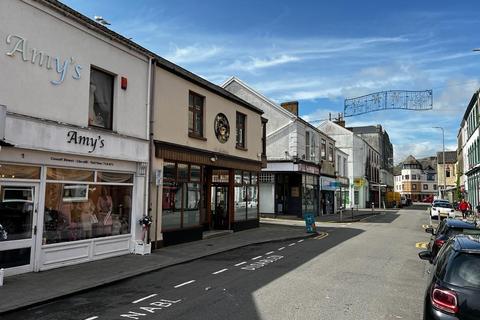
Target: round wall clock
{"points": [[222, 128]]}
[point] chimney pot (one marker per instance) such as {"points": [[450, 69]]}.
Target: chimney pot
{"points": [[291, 106]]}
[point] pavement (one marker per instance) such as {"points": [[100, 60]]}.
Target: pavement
{"points": [[349, 215], [40, 287]]}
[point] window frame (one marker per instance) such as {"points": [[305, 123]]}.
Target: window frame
{"points": [[239, 126], [194, 132], [112, 97]]}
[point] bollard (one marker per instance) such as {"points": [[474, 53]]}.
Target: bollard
{"points": [[2, 273]]}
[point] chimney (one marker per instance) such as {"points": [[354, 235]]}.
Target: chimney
{"points": [[291, 106], [340, 120]]}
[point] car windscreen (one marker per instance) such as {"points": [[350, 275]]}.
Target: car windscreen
{"points": [[456, 231], [464, 271], [443, 205]]}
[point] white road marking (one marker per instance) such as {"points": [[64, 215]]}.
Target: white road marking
{"points": [[291, 244], [239, 264], [92, 318], [269, 252], [300, 241], [184, 284], [256, 258], [280, 249], [144, 298], [220, 271]]}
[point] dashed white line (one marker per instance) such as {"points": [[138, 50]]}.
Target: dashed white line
{"points": [[291, 244], [92, 318], [239, 264], [280, 249], [256, 258], [184, 284], [269, 252], [300, 241], [144, 298], [220, 271]]}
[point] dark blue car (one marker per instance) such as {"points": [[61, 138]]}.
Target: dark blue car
{"points": [[453, 291]]}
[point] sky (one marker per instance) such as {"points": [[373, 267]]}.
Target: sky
{"points": [[320, 53]]}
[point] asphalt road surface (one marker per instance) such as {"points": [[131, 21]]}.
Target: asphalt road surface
{"points": [[366, 270]]}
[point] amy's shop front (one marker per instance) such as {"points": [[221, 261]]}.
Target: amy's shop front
{"points": [[73, 181]]}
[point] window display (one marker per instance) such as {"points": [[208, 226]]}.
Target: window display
{"points": [[246, 196], [181, 201], [86, 210]]}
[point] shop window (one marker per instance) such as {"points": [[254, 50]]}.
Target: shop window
{"points": [[181, 202], [100, 112], [195, 114], [241, 127], [11, 171], [115, 177], [70, 174], [238, 177], [246, 196], [85, 211], [220, 176]]}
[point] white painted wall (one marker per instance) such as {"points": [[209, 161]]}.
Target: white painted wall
{"points": [[26, 87]]}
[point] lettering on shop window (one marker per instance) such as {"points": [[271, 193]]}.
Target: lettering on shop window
{"points": [[34, 55], [75, 138]]}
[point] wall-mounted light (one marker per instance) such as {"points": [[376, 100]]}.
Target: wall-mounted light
{"points": [[214, 158], [124, 83]]}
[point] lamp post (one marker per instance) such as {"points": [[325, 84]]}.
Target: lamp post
{"points": [[444, 166]]}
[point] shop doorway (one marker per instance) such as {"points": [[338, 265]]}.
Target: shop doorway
{"points": [[219, 205], [18, 220]]}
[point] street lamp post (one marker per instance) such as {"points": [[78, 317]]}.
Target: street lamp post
{"points": [[444, 166]]}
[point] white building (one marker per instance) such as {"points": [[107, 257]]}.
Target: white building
{"points": [[73, 184], [300, 174], [363, 164], [417, 181]]}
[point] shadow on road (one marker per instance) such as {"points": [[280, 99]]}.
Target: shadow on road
{"points": [[229, 296]]}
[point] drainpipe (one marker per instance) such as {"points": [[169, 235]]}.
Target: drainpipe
{"points": [[149, 129]]}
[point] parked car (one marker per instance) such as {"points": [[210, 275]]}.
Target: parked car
{"points": [[403, 201], [453, 290], [442, 208], [428, 199], [447, 229]]}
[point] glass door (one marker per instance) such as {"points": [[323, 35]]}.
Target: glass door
{"points": [[219, 198], [18, 216]]}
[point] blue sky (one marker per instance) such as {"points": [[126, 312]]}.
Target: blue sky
{"points": [[321, 52]]}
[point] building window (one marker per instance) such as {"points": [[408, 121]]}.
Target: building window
{"points": [[100, 112], [425, 187], [434, 187], [407, 177], [83, 204], [338, 166], [324, 149], [345, 168], [447, 172], [195, 114], [414, 187], [307, 145], [241, 127], [313, 148], [330, 153], [414, 177]]}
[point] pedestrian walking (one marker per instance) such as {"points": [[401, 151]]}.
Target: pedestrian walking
{"points": [[463, 206]]}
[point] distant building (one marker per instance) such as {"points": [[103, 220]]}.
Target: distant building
{"points": [[416, 179], [378, 138], [449, 179]]}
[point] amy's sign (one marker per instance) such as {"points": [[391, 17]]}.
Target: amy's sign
{"points": [[63, 67], [91, 142]]}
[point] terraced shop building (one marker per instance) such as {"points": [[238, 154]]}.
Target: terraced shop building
{"points": [[73, 178], [208, 152]]}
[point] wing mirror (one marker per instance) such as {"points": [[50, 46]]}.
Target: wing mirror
{"points": [[425, 255], [430, 230]]}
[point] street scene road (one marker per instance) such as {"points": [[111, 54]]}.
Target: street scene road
{"points": [[364, 270]]}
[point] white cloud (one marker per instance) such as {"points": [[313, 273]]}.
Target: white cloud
{"points": [[253, 64], [193, 53]]}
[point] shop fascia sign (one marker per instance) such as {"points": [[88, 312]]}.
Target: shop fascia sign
{"points": [[307, 168], [64, 68], [92, 142]]}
